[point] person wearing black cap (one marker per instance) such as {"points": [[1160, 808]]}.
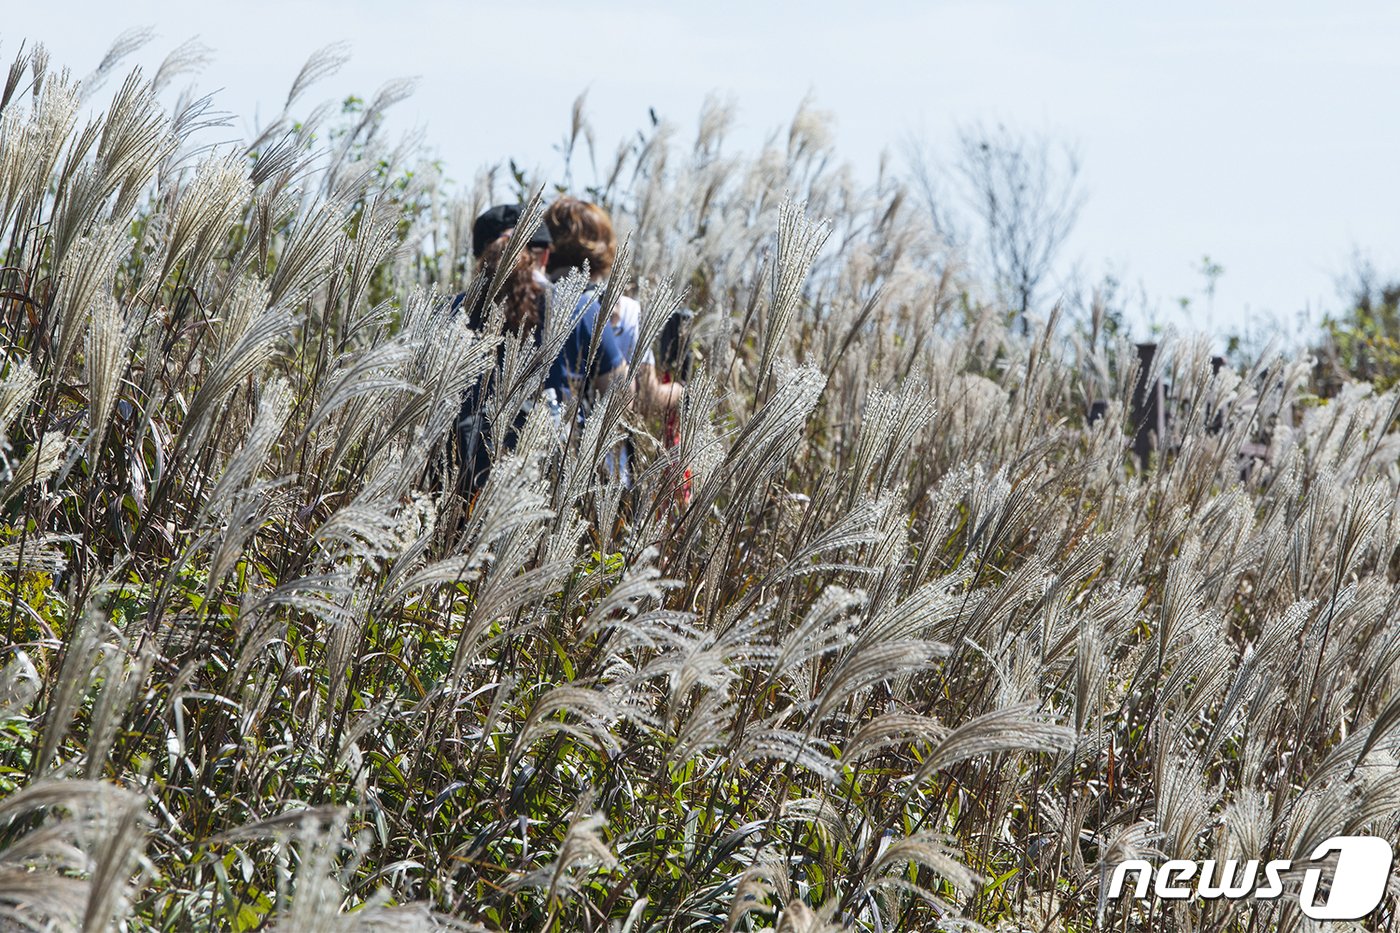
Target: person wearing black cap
{"points": [[493, 226], [500, 222], [523, 298]]}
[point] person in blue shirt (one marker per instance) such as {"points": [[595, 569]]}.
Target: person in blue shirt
{"points": [[581, 233], [571, 370], [585, 236]]}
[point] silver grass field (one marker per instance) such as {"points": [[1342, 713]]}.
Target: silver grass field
{"points": [[921, 649]]}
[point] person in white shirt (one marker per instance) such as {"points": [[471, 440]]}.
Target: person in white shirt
{"points": [[579, 232], [582, 231]]}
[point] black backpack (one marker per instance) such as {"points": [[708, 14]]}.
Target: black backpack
{"points": [[475, 436]]}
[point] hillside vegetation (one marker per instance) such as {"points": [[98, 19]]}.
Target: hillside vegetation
{"points": [[894, 639]]}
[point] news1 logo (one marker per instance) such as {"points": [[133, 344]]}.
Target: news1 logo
{"points": [[1357, 883]]}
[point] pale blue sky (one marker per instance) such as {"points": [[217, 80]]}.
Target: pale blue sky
{"points": [[1263, 134]]}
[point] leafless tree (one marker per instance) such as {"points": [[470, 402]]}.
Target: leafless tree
{"points": [[1008, 198]]}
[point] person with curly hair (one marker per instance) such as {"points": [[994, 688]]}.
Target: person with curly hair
{"points": [[585, 239], [582, 233], [522, 298]]}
